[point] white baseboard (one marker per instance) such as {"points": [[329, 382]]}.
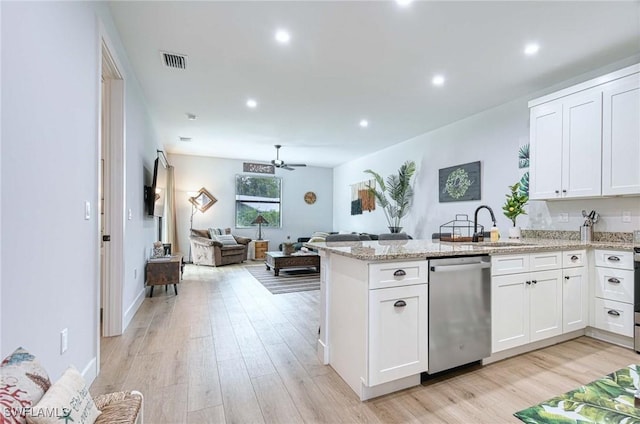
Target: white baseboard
{"points": [[90, 372], [322, 352], [504, 354], [367, 392], [609, 337], [131, 311]]}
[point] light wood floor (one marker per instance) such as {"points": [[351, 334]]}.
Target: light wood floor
{"points": [[226, 350]]}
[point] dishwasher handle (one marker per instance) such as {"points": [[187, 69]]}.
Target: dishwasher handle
{"points": [[462, 267]]}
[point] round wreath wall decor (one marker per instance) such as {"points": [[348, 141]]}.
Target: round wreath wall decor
{"points": [[310, 197]]}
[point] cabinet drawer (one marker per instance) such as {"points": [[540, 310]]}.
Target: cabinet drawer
{"points": [[545, 260], [509, 264], [614, 259], [613, 316], [614, 284], [395, 274], [574, 258]]}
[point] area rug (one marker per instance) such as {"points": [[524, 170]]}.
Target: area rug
{"points": [[289, 280], [606, 400]]}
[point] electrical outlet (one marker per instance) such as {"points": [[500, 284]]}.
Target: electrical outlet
{"points": [[563, 217], [64, 340], [626, 216]]}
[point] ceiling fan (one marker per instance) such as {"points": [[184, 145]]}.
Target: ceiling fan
{"points": [[280, 163]]}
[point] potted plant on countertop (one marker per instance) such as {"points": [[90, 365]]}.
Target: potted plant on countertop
{"points": [[513, 207], [399, 191]]}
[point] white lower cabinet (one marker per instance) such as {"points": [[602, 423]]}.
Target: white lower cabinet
{"points": [[575, 299], [614, 292], [397, 333], [377, 322], [546, 297], [526, 307]]}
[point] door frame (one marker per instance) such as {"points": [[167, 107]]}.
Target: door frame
{"points": [[113, 117]]}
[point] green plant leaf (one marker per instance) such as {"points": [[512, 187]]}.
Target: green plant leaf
{"points": [[395, 196]]}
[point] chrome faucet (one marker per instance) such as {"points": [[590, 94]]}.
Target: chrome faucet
{"points": [[476, 236]]}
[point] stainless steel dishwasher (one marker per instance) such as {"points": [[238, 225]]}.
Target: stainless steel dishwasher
{"points": [[459, 311]]}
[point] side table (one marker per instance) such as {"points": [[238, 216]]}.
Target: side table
{"points": [[163, 271], [261, 247]]}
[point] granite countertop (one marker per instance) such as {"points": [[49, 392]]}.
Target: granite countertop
{"points": [[420, 249]]}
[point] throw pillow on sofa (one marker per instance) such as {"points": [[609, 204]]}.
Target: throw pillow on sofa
{"points": [[67, 399], [227, 240], [23, 382]]}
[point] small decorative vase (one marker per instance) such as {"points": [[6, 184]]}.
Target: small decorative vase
{"points": [[515, 233], [395, 229]]}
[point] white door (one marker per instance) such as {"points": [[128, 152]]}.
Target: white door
{"points": [[621, 136], [582, 144], [397, 333], [574, 299], [509, 311], [545, 302], [546, 151]]}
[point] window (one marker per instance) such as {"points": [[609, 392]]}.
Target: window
{"points": [[257, 196]]}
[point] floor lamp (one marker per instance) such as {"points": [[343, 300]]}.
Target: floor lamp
{"points": [[193, 212]]}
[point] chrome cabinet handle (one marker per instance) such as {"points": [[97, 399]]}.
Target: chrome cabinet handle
{"points": [[574, 258], [613, 280], [613, 258], [399, 273], [614, 313], [400, 304]]}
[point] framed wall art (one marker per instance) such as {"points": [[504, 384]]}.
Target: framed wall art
{"points": [[459, 183]]}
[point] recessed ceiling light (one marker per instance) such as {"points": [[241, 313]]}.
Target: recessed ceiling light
{"points": [[404, 3], [531, 49], [283, 36], [185, 139], [191, 116], [364, 123], [438, 80], [251, 103]]}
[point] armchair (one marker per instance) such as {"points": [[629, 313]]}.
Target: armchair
{"points": [[206, 251]]}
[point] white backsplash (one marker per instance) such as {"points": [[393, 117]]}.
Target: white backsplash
{"points": [[547, 215]]}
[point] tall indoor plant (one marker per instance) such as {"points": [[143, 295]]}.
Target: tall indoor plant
{"points": [[514, 206], [395, 196]]}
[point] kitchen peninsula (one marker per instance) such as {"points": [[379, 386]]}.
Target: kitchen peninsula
{"points": [[375, 295]]}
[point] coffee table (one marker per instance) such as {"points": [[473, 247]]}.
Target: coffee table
{"points": [[278, 261]]}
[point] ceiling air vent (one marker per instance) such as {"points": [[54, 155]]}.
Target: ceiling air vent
{"points": [[173, 60]]}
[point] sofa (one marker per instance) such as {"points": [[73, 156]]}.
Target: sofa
{"points": [[215, 247], [28, 396]]}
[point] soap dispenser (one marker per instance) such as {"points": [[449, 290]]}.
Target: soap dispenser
{"points": [[495, 234]]}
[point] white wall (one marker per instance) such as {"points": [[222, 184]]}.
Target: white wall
{"points": [[217, 175], [492, 137], [50, 111]]}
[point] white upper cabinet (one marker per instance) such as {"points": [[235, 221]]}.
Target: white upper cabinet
{"points": [[566, 147], [581, 145], [585, 140], [546, 152], [621, 136]]}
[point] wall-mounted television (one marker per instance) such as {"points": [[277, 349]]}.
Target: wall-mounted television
{"points": [[155, 194]]}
